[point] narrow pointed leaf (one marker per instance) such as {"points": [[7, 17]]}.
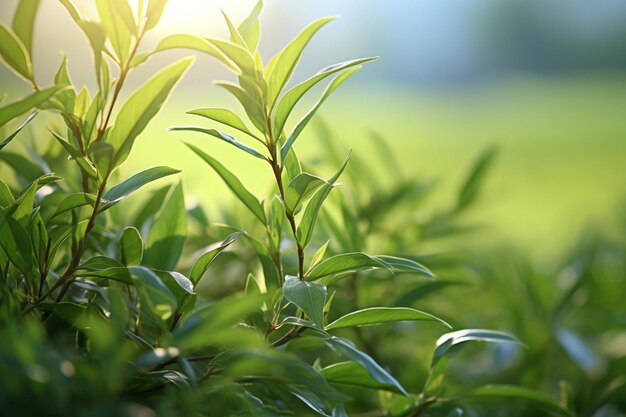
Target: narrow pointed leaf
{"points": [[74, 201], [291, 97], [348, 350], [23, 22], [225, 117], [85, 164], [300, 189], [142, 106], [250, 27], [307, 223], [253, 109], [132, 184], [378, 315], [448, 340], [471, 186], [14, 53], [202, 264], [19, 107], [355, 374], [196, 43], [166, 238], [222, 136], [281, 67], [308, 296], [19, 129], [337, 81], [233, 183], [154, 12]]}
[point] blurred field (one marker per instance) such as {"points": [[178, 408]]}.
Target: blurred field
{"points": [[562, 143]]}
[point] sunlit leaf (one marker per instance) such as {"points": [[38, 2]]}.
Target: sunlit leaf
{"points": [[19, 107], [234, 184], [337, 81], [226, 117], [291, 97], [280, 68], [142, 106], [307, 223], [221, 136], [23, 22], [132, 184], [14, 53], [18, 130]]}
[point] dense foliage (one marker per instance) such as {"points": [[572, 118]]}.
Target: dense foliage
{"points": [[299, 303]]}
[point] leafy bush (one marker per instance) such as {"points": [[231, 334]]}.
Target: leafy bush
{"points": [[110, 311]]}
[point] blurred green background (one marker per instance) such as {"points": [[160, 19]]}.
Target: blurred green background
{"points": [[544, 82]]}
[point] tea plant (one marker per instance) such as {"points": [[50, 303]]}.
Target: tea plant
{"points": [[95, 317]]}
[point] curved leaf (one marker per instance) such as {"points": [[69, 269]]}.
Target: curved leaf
{"points": [[355, 374], [336, 82], [307, 223], [378, 315], [184, 41], [73, 201], [280, 68], [221, 136], [132, 184], [233, 183], [19, 129], [10, 111], [142, 106], [14, 53], [308, 296], [291, 97], [202, 264], [225, 117], [23, 22], [131, 246], [448, 340]]}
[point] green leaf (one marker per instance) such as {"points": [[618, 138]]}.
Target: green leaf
{"points": [[300, 189], [336, 82], [23, 22], [155, 297], [16, 243], [319, 255], [238, 55], [250, 27], [177, 283], [132, 184], [168, 232], [116, 29], [19, 129], [142, 106], [222, 136], [73, 201], [516, 392], [356, 261], [307, 223], [448, 340], [85, 164], [253, 108], [14, 53], [347, 349], [196, 43], [378, 315], [471, 186], [19, 107], [308, 296], [202, 264], [154, 12], [235, 36], [225, 117], [280, 68], [234, 184], [291, 97], [131, 246], [6, 196], [353, 373]]}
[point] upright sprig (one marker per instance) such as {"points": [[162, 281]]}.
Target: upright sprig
{"points": [[261, 90], [96, 140]]}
